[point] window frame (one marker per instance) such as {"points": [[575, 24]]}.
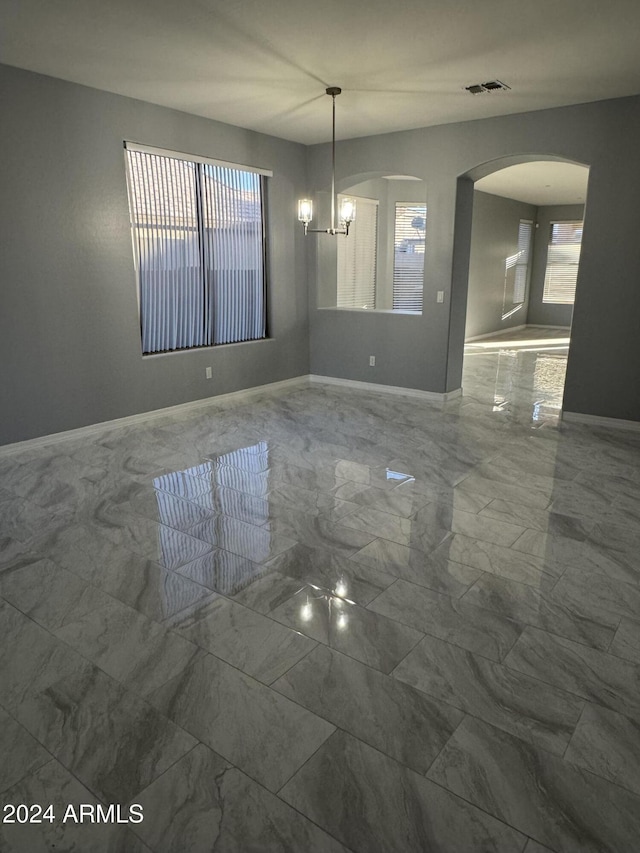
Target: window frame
{"points": [[349, 243], [206, 280], [510, 304], [405, 205], [547, 296]]}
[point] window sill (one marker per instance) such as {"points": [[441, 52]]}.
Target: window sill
{"points": [[392, 311], [213, 347]]}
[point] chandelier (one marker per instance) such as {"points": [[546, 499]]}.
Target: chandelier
{"points": [[347, 211]]}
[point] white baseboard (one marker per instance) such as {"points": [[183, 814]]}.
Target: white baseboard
{"points": [[495, 334], [433, 396], [142, 417], [598, 420], [543, 326]]}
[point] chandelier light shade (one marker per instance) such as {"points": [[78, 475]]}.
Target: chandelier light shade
{"points": [[305, 210], [347, 212]]}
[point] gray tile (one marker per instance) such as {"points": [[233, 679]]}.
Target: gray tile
{"points": [[134, 580], [248, 640], [496, 560], [222, 571], [626, 643], [240, 505], [393, 501], [257, 544], [401, 813], [114, 742], [425, 530], [321, 480], [324, 568], [434, 468], [486, 529], [163, 545], [166, 509], [50, 595], [505, 474], [620, 538], [268, 591], [507, 491], [428, 570], [597, 595], [31, 659], [264, 734], [21, 754], [198, 483], [309, 458], [534, 847], [539, 794], [366, 636], [488, 634], [285, 496], [608, 744], [15, 554], [319, 532], [23, 519], [406, 725], [382, 524], [549, 610], [597, 676], [48, 481], [537, 519], [523, 706], [53, 784], [457, 496], [203, 804], [128, 646], [563, 551]]}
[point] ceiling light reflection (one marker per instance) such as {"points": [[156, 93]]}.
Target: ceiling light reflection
{"points": [[341, 588], [342, 621]]}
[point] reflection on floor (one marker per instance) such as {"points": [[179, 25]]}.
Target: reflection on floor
{"points": [[329, 620], [524, 369]]}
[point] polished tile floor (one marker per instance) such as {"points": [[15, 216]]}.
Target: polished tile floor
{"points": [[327, 620]]}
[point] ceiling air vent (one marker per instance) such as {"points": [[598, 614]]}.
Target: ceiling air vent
{"points": [[489, 86]]}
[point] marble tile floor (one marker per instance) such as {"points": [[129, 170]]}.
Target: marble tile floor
{"points": [[329, 620]]}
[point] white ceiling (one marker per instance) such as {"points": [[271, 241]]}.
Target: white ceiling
{"points": [[265, 64], [539, 183]]}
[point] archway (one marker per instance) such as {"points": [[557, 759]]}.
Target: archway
{"points": [[380, 267], [522, 230]]}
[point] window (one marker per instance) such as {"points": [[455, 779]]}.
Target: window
{"points": [[357, 258], [199, 250], [408, 256], [563, 257], [517, 270]]}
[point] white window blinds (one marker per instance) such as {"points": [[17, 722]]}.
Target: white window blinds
{"points": [[525, 231], [563, 257], [408, 256], [516, 269], [199, 249], [357, 258]]}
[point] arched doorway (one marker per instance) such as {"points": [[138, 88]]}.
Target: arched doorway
{"points": [[524, 239]]}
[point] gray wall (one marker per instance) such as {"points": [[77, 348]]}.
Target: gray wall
{"points": [[426, 352], [540, 313], [69, 334], [494, 238]]}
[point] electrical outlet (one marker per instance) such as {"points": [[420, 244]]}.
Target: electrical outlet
{"points": [[372, 361], [207, 372], [440, 296]]}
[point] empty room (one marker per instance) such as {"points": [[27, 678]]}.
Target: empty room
{"points": [[319, 427]]}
